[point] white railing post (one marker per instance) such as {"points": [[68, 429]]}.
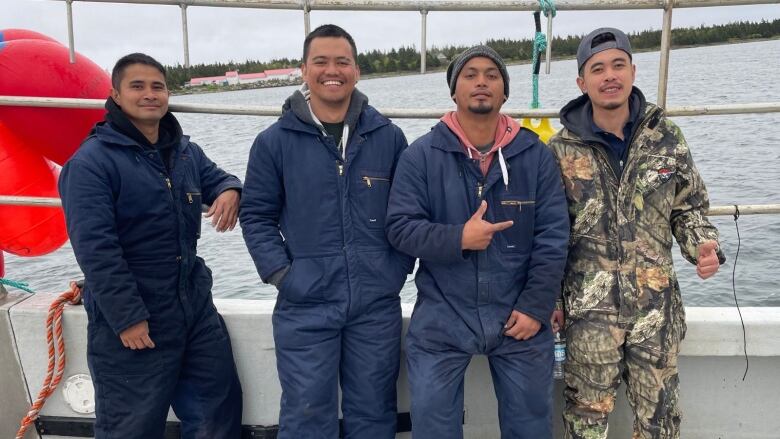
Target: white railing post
{"points": [[666, 46], [548, 52], [185, 35], [423, 37], [71, 44], [307, 20]]}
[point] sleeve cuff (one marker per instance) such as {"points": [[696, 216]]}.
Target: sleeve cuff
{"points": [[118, 329], [533, 315], [278, 276]]}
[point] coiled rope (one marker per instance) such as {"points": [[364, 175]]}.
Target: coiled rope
{"points": [[56, 356]]}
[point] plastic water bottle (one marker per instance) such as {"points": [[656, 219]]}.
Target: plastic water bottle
{"points": [[559, 353]]}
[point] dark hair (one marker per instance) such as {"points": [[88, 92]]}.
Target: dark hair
{"points": [[328, 30], [134, 58]]}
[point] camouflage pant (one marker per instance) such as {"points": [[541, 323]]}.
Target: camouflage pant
{"points": [[601, 353]]}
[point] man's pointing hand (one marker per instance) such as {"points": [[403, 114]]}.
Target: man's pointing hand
{"points": [[477, 233]]}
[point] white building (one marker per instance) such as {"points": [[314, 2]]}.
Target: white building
{"points": [[234, 78]]}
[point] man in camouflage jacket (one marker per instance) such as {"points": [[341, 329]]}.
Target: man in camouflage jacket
{"points": [[630, 184]]}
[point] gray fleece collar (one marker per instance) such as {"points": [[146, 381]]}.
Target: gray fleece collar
{"points": [[298, 103]]}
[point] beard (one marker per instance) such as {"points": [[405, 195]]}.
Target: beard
{"points": [[612, 105], [481, 108]]}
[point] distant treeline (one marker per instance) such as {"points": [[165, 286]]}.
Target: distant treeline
{"points": [[407, 59]]}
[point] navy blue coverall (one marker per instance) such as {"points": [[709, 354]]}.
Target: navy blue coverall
{"points": [[134, 227], [465, 298], [338, 316]]}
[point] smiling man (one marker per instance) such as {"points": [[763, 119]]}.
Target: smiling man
{"points": [[313, 214], [132, 196], [480, 201], [631, 185]]}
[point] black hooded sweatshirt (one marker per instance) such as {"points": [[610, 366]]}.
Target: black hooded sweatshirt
{"points": [[577, 117], [169, 136]]}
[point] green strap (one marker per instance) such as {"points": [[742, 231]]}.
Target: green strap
{"points": [[540, 43], [19, 285]]}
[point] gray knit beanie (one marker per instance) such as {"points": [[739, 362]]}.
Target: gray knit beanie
{"points": [[453, 71]]}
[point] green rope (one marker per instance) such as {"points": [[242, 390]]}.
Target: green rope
{"points": [[19, 285], [540, 43], [548, 7]]}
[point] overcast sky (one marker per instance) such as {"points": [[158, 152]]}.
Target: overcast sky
{"points": [[104, 32]]}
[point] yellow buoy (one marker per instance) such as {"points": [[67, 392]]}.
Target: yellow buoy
{"points": [[542, 127]]}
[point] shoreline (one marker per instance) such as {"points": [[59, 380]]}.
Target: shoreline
{"points": [[509, 62]]}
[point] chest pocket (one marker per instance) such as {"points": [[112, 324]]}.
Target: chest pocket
{"points": [[657, 171], [656, 184], [373, 191], [192, 213], [519, 209]]}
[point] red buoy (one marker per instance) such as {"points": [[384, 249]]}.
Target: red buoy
{"points": [[28, 230], [41, 68], [22, 34]]}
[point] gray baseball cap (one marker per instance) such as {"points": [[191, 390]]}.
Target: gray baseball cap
{"points": [[600, 40]]}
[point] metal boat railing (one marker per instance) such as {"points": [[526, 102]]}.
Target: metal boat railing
{"points": [[395, 113], [424, 7], [745, 209]]}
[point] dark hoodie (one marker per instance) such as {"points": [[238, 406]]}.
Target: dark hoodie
{"points": [[577, 117], [169, 136], [299, 105]]}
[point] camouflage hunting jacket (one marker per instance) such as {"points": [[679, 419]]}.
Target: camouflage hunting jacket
{"points": [[620, 258]]}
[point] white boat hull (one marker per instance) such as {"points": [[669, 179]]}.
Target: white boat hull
{"points": [[716, 402]]}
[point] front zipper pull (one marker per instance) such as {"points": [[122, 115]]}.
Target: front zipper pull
{"points": [[168, 182], [479, 191], [341, 169]]}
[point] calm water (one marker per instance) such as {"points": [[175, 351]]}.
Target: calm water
{"points": [[739, 157]]}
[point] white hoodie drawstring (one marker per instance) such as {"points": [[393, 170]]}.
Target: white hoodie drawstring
{"points": [[344, 134], [501, 163], [504, 170], [343, 142]]}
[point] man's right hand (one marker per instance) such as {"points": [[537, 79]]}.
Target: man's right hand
{"points": [[477, 233], [137, 336], [556, 320]]}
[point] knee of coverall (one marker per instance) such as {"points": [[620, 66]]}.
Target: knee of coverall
{"points": [[308, 351], [436, 393], [522, 378], [370, 361], [208, 397], [133, 389]]}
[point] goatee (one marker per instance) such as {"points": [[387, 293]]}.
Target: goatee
{"points": [[482, 108]]}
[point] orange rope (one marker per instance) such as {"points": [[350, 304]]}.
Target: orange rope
{"points": [[53, 330]]}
